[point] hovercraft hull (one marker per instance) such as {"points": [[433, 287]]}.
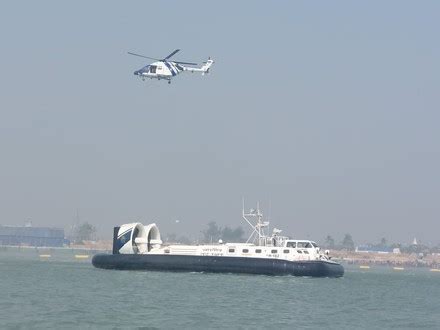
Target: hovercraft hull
{"points": [[218, 264]]}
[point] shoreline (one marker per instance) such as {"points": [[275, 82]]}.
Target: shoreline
{"points": [[387, 259], [364, 259]]}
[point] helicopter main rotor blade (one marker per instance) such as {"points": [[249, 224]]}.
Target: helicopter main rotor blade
{"points": [[151, 58], [172, 54], [187, 63]]}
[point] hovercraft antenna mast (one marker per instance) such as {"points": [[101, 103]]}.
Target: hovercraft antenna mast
{"points": [[257, 236]]}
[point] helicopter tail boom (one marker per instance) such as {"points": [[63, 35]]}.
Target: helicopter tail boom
{"points": [[204, 69]]}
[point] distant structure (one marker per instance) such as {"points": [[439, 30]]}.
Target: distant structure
{"points": [[414, 241], [374, 249], [31, 236]]}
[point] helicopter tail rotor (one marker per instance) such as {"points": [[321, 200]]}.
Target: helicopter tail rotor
{"points": [[206, 65]]}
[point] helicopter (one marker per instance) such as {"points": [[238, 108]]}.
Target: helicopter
{"points": [[166, 69]]}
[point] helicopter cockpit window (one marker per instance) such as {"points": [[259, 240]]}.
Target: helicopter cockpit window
{"points": [[153, 68]]}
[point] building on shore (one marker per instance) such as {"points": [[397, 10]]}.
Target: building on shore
{"points": [[31, 236], [376, 249]]}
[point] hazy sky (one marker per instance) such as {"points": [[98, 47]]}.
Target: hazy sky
{"points": [[330, 110]]}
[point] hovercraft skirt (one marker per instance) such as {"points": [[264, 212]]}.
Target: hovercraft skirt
{"points": [[218, 264]]}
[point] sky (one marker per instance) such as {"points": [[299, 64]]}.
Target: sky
{"points": [[326, 111]]}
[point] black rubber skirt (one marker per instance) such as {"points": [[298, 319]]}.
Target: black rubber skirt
{"points": [[217, 264]]}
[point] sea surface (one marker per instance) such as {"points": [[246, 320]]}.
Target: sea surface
{"points": [[66, 292]]}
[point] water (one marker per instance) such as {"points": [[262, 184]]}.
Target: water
{"points": [[67, 293]]}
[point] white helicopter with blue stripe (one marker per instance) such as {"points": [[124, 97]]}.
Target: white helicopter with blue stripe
{"points": [[165, 69]]}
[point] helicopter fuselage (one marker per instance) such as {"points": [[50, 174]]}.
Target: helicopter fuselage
{"points": [[159, 70], [166, 69]]}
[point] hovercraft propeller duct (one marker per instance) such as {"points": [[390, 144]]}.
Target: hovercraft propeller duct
{"points": [[134, 238]]}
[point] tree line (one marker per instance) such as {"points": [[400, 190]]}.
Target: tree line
{"points": [[227, 234], [347, 243]]}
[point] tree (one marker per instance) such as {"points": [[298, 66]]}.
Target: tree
{"points": [[383, 242], [329, 242], [232, 235], [213, 233], [173, 238], [347, 242], [227, 234], [84, 232]]}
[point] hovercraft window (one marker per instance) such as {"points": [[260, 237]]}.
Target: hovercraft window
{"points": [[274, 251], [299, 251], [306, 252], [245, 251], [306, 245], [291, 244], [258, 251], [231, 250], [286, 251]]}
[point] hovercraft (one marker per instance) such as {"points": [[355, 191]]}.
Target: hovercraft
{"points": [[140, 247]]}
